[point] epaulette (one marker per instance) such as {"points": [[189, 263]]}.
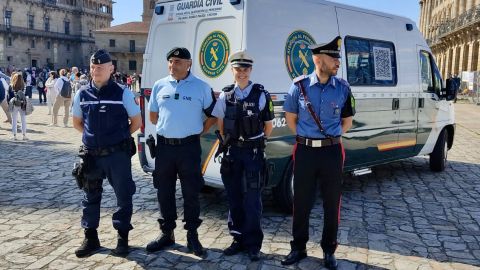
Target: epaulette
{"points": [[300, 78], [343, 82], [228, 88]]}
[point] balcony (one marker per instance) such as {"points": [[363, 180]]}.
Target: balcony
{"points": [[39, 33], [450, 26]]}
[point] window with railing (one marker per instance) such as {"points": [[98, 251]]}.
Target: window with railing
{"points": [[67, 27], [46, 22], [132, 45], [30, 21], [8, 19]]}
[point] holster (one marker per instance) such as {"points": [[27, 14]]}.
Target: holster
{"points": [[226, 167], [133, 147], [151, 145], [86, 173]]}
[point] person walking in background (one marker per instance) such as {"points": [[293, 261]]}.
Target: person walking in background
{"points": [[28, 83], [18, 105], [64, 89], [51, 91], [4, 99], [41, 89]]}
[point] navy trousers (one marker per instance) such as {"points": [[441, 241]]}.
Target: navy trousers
{"points": [[117, 168], [245, 196]]}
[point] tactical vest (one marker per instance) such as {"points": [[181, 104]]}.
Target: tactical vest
{"points": [[242, 117], [104, 117]]}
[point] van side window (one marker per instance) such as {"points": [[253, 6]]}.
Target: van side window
{"points": [[370, 62], [431, 79]]}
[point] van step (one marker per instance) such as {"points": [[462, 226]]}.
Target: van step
{"points": [[362, 172]]}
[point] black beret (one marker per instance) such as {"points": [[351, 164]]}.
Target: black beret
{"points": [[331, 49], [100, 57], [179, 52]]}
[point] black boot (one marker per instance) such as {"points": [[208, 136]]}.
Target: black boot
{"points": [[234, 248], [122, 244], [166, 239], [193, 244], [294, 256], [90, 244], [330, 261]]}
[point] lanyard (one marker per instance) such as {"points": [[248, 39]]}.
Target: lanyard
{"points": [[312, 111]]}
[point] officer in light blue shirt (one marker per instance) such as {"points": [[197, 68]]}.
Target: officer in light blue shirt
{"points": [[176, 107], [319, 108]]}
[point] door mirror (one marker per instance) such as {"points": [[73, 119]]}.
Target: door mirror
{"points": [[451, 90]]}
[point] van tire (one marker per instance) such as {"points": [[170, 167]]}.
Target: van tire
{"points": [[438, 158], [283, 192]]}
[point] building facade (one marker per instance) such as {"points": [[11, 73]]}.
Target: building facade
{"points": [[53, 33], [126, 42], [452, 30]]}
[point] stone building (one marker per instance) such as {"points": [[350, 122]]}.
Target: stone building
{"points": [[127, 42], [451, 28], [54, 33]]}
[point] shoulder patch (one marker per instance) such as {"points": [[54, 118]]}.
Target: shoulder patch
{"points": [[300, 78]]}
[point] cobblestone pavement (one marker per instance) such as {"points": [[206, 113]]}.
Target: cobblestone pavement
{"points": [[400, 217]]}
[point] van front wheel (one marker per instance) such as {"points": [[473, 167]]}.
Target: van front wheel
{"points": [[283, 192], [438, 158]]}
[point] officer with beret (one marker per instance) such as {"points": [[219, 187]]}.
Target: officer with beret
{"points": [[106, 115], [245, 112], [176, 107], [319, 108]]}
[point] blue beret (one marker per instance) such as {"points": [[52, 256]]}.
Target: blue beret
{"points": [[179, 52], [100, 57]]}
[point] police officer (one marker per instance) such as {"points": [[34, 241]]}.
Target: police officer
{"points": [[106, 115], [244, 111], [319, 108], [176, 105]]}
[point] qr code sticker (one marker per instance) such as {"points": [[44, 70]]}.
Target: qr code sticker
{"points": [[382, 63]]}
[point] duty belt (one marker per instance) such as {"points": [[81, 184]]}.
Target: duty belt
{"points": [[177, 141], [318, 142], [105, 151], [248, 144]]}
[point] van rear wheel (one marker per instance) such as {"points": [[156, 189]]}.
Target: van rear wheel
{"points": [[283, 192], [438, 158]]}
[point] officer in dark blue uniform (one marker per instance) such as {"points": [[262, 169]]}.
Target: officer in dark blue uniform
{"points": [[319, 108], [245, 112], [176, 107], [107, 115]]}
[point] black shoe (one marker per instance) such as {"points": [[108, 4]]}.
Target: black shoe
{"points": [[90, 244], [294, 256], [193, 244], [330, 261], [254, 255], [165, 240], [233, 249], [122, 245]]}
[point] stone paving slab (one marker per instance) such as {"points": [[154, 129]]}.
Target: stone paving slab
{"points": [[402, 216]]}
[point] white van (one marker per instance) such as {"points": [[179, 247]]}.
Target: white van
{"points": [[402, 108]]}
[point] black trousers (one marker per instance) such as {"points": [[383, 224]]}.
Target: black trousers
{"points": [[315, 167], [182, 160]]}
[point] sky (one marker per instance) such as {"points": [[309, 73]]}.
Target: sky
{"points": [[125, 11]]}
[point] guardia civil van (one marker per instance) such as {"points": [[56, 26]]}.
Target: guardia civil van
{"points": [[402, 108]]}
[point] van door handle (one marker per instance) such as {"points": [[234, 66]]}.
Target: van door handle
{"points": [[395, 104], [421, 103]]}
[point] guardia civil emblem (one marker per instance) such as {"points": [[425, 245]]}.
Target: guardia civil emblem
{"points": [[214, 53], [298, 57]]}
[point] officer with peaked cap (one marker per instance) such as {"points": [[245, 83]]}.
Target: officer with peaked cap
{"points": [[319, 108], [106, 115], [245, 112], [176, 107]]}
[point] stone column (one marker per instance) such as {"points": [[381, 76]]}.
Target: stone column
{"points": [[470, 56], [448, 60], [421, 17], [453, 60], [461, 58], [3, 57]]}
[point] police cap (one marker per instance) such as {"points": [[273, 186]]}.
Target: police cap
{"points": [[331, 49], [241, 59], [179, 52], [100, 57]]}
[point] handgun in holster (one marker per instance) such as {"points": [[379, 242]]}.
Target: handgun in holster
{"points": [[151, 145], [226, 167]]}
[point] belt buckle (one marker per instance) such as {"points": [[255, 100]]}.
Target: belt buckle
{"points": [[316, 143]]}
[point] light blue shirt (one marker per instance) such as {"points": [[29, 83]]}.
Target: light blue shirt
{"points": [[328, 101], [180, 105], [128, 100], [220, 106]]}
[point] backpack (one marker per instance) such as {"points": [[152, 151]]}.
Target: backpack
{"points": [[40, 83], [19, 99], [66, 90]]}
